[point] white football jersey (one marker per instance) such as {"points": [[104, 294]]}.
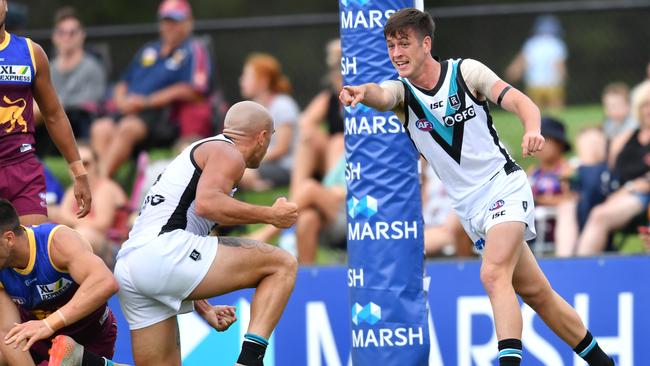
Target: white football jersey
{"points": [[454, 132], [170, 202]]}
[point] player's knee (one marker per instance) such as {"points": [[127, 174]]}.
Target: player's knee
{"points": [[494, 278], [536, 296], [288, 265]]}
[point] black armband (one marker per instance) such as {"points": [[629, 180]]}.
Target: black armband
{"points": [[503, 93]]}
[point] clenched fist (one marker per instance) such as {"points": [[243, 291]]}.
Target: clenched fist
{"points": [[285, 213], [532, 143]]}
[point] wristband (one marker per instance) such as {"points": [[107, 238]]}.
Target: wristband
{"points": [[65, 322], [77, 168], [58, 322], [48, 325]]}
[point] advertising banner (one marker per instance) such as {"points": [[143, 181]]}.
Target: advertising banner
{"points": [[388, 305], [611, 295]]}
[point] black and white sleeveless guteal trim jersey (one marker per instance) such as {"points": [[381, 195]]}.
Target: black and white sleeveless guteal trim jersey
{"points": [[170, 203], [454, 132]]}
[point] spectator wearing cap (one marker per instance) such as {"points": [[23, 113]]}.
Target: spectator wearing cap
{"points": [[548, 179], [77, 76], [162, 94], [542, 63]]}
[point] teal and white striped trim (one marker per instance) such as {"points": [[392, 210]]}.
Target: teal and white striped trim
{"points": [[589, 348], [510, 352], [257, 339]]}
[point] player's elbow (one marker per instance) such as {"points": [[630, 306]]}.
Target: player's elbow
{"points": [[206, 208], [205, 204], [109, 286], [201, 207]]}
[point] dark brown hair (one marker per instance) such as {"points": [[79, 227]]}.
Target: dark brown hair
{"points": [[9, 220], [410, 18], [64, 13]]}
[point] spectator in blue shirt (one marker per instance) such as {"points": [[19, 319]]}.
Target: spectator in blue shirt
{"points": [[77, 76], [164, 77]]}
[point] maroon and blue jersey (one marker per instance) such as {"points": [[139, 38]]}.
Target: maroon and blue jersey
{"points": [[546, 181], [17, 72], [42, 288]]}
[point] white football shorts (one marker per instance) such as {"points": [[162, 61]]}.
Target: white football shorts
{"points": [[508, 197], [156, 277]]}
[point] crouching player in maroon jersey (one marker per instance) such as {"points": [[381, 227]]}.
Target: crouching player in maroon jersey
{"points": [[52, 285]]}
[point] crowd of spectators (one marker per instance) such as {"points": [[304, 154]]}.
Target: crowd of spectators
{"points": [[164, 98]]}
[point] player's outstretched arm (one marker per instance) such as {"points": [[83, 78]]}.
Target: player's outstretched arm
{"points": [[9, 316], [371, 94], [222, 168], [58, 126], [70, 252], [518, 103]]}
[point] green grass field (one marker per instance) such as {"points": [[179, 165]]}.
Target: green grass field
{"points": [[508, 126]]}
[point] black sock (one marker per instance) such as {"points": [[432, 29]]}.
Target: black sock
{"points": [[91, 359], [510, 352], [252, 350], [591, 352]]}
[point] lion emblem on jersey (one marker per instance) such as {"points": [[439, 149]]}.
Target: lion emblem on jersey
{"points": [[13, 114]]}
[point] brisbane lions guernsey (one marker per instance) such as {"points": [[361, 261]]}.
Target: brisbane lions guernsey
{"points": [[17, 72], [453, 129], [41, 288]]}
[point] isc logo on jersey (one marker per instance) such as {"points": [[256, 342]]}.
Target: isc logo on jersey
{"points": [[54, 289], [369, 336], [362, 18], [367, 207], [20, 73]]}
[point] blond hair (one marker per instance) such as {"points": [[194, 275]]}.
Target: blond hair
{"points": [[333, 53], [641, 95]]}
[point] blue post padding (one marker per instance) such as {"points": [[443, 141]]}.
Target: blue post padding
{"points": [[388, 301]]}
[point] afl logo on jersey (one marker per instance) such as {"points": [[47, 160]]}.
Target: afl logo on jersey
{"points": [[497, 205], [424, 125]]}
